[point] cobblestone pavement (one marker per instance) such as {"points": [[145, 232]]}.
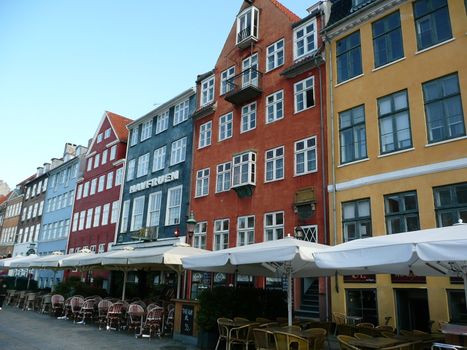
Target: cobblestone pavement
{"points": [[21, 330]]}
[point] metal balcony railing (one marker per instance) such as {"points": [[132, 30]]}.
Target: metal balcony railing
{"points": [[244, 87]]}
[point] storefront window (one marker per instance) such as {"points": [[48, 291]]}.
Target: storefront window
{"points": [[362, 303], [457, 307]]}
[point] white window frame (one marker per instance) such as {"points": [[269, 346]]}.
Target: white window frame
{"points": [[202, 183], [89, 215], [146, 130], [248, 119], [110, 180], [88, 168], [154, 209], [302, 92], [107, 133], [169, 218], [74, 227], [162, 122], [92, 190], [134, 135], [178, 151], [307, 35], [115, 212], [275, 53], [225, 126], [250, 71], [118, 176], [305, 151], [200, 235], [240, 163], [274, 228], [205, 134], [104, 157], [207, 91], [221, 234], [137, 213], [275, 107], [99, 138], [271, 157], [105, 214], [226, 76], [158, 161], [125, 216], [181, 112], [143, 165], [131, 169], [245, 232], [223, 177], [97, 160], [86, 189], [253, 13], [113, 152], [97, 216], [101, 184], [82, 218]]}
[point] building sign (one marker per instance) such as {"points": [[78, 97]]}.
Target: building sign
{"points": [[408, 279], [186, 326], [456, 280], [360, 279], [155, 181]]}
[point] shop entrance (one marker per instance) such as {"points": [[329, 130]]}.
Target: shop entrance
{"points": [[412, 309]]}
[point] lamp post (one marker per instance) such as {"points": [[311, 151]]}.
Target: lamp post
{"points": [[190, 227]]}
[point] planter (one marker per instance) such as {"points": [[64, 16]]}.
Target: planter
{"points": [[207, 340]]}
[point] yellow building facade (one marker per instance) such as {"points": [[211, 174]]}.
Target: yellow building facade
{"points": [[397, 97]]}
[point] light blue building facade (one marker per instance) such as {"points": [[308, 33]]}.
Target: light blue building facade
{"points": [[58, 205]]}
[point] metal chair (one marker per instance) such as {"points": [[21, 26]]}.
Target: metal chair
{"points": [[154, 323], [242, 335], [264, 339], [343, 342], [442, 346], [319, 336], [135, 317], [223, 324], [285, 340], [20, 299], [169, 319]]}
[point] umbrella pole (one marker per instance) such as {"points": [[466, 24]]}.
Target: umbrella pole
{"points": [[125, 276], [179, 282], [289, 296]]}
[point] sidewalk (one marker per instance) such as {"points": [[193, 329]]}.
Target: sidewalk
{"points": [[29, 330]]}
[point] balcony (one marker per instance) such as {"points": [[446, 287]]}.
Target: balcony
{"points": [[245, 37], [244, 87]]}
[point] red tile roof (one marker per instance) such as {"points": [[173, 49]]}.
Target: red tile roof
{"points": [[4, 198], [292, 16], [119, 124]]}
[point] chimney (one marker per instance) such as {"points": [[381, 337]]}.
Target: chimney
{"points": [[40, 171], [70, 148], [56, 162], [46, 167]]}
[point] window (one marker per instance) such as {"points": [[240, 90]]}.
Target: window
{"points": [[162, 122], [207, 91], [245, 230], [75, 222], [304, 94], [450, 204], [125, 214], [181, 112], [275, 55], [93, 187], [352, 131], [200, 233], [101, 248], [97, 216], [356, 219], [443, 109], [244, 169], [85, 189], [178, 151], [146, 130], [118, 176], [97, 159], [131, 170], [225, 126], [305, 156], [143, 165], [226, 80], [432, 22], [221, 234], [113, 152], [387, 39], [89, 218], [394, 122], [115, 209], [362, 303], [349, 57], [275, 107], [250, 71], [248, 117], [274, 167], [174, 204], [202, 182], [247, 24], [137, 215], [71, 197], [41, 208], [205, 133], [88, 168], [457, 304], [273, 226], [105, 213], [107, 133], [35, 208], [110, 179], [223, 177], [158, 162], [401, 212], [154, 209], [305, 38], [104, 156], [99, 138], [101, 183], [134, 136]]}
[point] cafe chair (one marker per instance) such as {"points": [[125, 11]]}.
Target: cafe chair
{"points": [[286, 340], [385, 328], [366, 325], [405, 332], [169, 320], [223, 326], [241, 319], [242, 335], [339, 319], [135, 318], [154, 323], [292, 328], [264, 339], [318, 337], [344, 342], [56, 303], [362, 336], [87, 311], [262, 320], [387, 334], [76, 304]]}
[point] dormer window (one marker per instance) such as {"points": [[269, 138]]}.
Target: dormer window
{"points": [[247, 26], [305, 38], [207, 91]]}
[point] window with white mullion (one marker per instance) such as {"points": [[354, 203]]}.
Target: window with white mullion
{"points": [[143, 165], [247, 24], [305, 156], [226, 82], [154, 209], [202, 182], [275, 55], [181, 112], [131, 169], [244, 169], [273, 226], [200, 235], [274, 167], [97, 216], [162, 122], [250, 71], [125, 216], [178, 152], [205, 134], [134, 136], [245, 230], [304, 94], [146, 130], [248, 117], [305, 38], [207, 91], [158, 162], [174, 204], [221, 234], [225, 126], [275, 107], [137, 213], [223, 177]]}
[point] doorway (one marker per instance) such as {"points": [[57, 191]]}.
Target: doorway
{"points": [[412, 309]]}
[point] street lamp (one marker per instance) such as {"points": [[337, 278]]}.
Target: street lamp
{"points": [[298, 232], [190, 226]]}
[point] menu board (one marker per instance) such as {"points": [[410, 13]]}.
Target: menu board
{"points": [[186, 326]]}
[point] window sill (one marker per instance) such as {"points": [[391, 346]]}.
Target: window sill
{"points": [[303, 110], [307, 173], [446, 141], [354, 162], [272, 181], [201, 147], [349, 80], [396, 152], [388, 64], [435, 46], [273, 69]]}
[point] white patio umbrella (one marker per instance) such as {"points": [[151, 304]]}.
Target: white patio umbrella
{"points": [[288, 256], [431, 252], [7, 263]]}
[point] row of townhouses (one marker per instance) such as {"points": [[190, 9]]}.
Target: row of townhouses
{"points": [[345, 124]]}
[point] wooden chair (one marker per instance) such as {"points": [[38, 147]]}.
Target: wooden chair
{"points": [[387, 334], [286, 340], [343, 342], [56, 303], [405, 332], [365, 325], [292, 328], [102, 309], [135, 317], [223, 325], [362, 336], [318, 337], [242, 335], [264, 339]]}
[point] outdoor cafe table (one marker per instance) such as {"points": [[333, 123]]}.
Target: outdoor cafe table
{"points": [[375, 342], [290, 329]]}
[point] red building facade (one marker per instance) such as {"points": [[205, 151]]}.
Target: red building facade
{"points": [[97, 199], [259, 165]]}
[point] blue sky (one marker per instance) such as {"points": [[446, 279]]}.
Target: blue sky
{"points": [[63, 63]]}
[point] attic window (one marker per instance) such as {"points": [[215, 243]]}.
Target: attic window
{"points": [[357, 4], [247, 26]]}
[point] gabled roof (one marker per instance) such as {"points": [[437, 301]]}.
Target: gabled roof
{"points": [[3, 198], [119, 124], [292, 16]]}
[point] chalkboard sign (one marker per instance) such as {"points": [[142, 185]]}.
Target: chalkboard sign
{"points": [[186, 326]]}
